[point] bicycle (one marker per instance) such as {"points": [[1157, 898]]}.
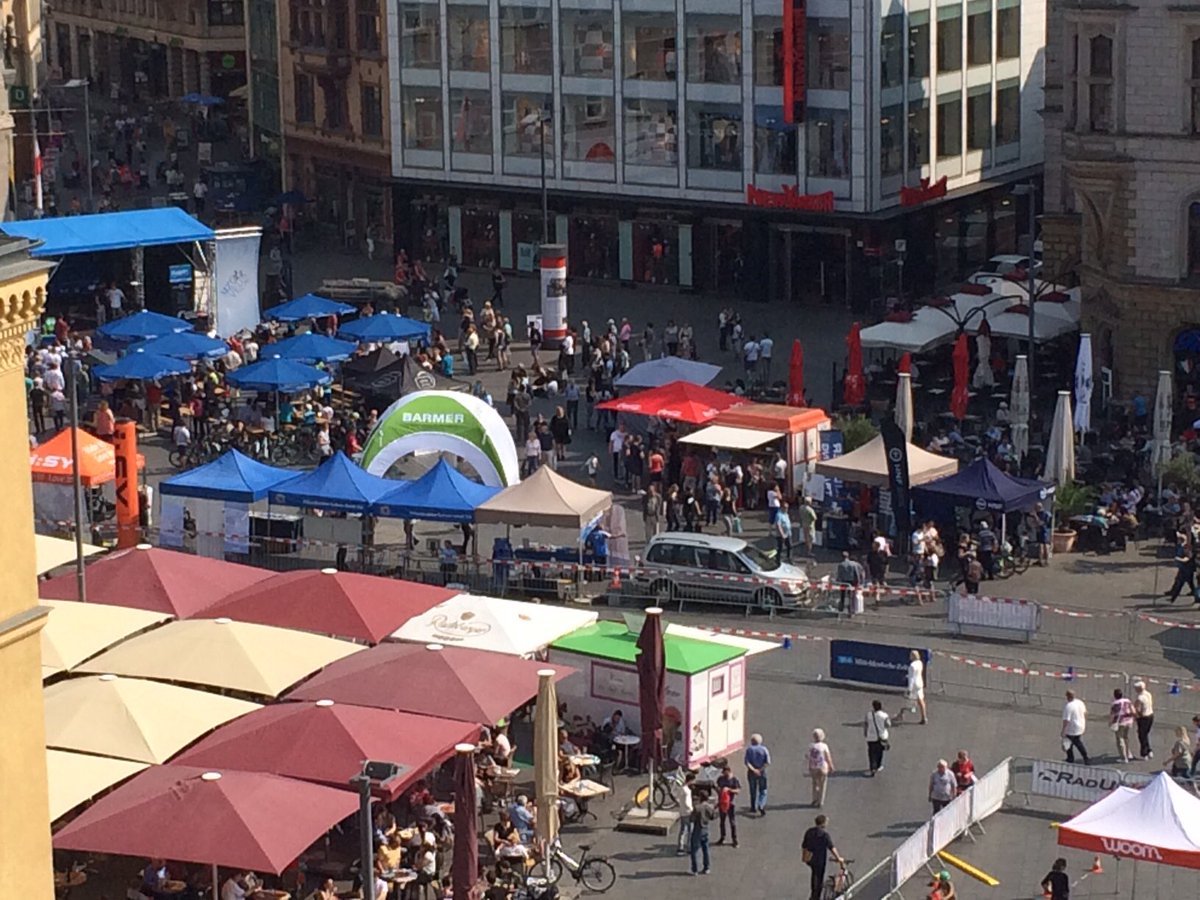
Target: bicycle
{"points": [[595, 873], [838, 883], [665, 784], [1011, 561]]}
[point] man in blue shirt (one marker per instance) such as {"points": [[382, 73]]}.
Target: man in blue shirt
{"points": [[757, 759], [522, 819]]}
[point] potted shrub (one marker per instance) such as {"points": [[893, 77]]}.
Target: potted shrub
{"points": [[1071, 499]]}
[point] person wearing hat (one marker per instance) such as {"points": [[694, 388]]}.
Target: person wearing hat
{"points": [[942, 887], [1143, 707]]}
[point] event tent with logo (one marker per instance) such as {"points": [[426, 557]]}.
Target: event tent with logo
{"points": [[515, 627], [233, 477], [337, 484], [983, 486], [545, 498], [679, 401], [443, 494], [868, 465], [1159, 823], [52, 462]]}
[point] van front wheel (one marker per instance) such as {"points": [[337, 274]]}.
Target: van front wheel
{"points": [[767, 598]]}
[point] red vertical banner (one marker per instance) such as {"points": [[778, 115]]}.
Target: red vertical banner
{"points": [[125, 445], [795, 45]]}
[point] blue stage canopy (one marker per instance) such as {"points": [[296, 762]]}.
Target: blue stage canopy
{"points": [[232, 476], [110, 231], [440, 495], [337, 484], [984, 487]]}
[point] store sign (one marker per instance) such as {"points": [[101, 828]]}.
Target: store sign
{"points": [[795, 41], [926, 190], [789, 198], [1068, 781]]}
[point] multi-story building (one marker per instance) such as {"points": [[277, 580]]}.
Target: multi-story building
{"points": [[333, 100], [1123, 182], [150, 48], [713, 144]]}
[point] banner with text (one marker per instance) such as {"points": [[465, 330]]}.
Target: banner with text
{"points": [[885, 664], [1069, 781], [235, 281]]}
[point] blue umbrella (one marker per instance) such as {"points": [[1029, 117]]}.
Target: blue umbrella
{"points": [[184, 345], [141, 325], [382, 327], [311, 347], [310, 306], [276, 374], [138, 365]]}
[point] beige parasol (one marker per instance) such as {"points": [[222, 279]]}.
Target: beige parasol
{"points": [[52, 552], [75, 631], [76, 778], [545, 755]]}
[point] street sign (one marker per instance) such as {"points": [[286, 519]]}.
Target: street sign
{"points": [[18, 96]]}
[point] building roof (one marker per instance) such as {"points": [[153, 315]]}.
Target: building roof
{"points": [[612, 640]]}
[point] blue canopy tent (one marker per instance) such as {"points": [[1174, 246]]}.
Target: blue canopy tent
{"points": [[383, 327], [337, 484], [283, 375], [233, 476], [442, 494], [183, 345], [982, 486], [312, 348], [110, 231], [137, 365], [310, 306], [143, 325]]}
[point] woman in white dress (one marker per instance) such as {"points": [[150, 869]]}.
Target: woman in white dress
{"points": [[914, 691]]}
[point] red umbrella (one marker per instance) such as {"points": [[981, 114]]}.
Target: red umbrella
{"points": [[242, 820], [165, 581], [855, 388], [681, 401], [464, 868], [652, 683], [327, 742], [795, 394], [454, 682], [905, 363], [962, 366], [344, 604]]}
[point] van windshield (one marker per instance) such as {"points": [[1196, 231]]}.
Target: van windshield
{"points": [[761, 561]]}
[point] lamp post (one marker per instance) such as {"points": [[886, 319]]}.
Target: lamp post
{"points": [[374, 775], [85, 86], [72, 367], [540, 117], [1030, 191]]}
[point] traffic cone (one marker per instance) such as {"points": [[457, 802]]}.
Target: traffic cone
{"points": [[1096, 868]]}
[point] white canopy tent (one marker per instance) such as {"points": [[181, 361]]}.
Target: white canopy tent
{"points": [[927, 329], [726, 437], [868, 465]]}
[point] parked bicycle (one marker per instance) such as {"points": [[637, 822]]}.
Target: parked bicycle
{"points": [[839, 882], [665, 786], [1012, 561], [196, 453], [595, 873]]}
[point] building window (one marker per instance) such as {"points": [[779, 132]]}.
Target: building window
{"points": [[828, 139], [949, 125], [589, 131], [829, 54], [420, 39], [333, 93], [979, 118], [891, 51], [768, 51], [225, 12], [1008, 29], [979, 33], [339, 25], [587, 42], [525, 40], [918, 133], [468, 39], [891, 140], [421, 118], [524, 117], [715, 136], [471, 128], [774, 142], [1194, 86], [1193, 240], [370, 99], [650, 133], [368, 26], [307, 22], [714, 47], [306, 112], [650, 46], [1100, 83], [1008, 112], [949, 39], [918, 44]]}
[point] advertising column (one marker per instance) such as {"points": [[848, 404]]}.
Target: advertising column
{"points": [[128, 511], [554, 294]]}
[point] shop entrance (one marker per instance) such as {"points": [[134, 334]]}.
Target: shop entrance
{"points": [[808, 265]]}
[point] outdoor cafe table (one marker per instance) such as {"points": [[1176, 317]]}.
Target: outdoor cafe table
{"points": [[626, 742], [581, 790]]}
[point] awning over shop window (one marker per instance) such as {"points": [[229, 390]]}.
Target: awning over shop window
{"points": [[729, 438]]}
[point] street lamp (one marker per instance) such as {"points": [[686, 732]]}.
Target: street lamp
{"points": [[540, 117], [375, 775], [1030, 190], [85, 85]]}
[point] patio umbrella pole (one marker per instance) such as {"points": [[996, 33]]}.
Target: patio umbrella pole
{"points": [[77, 480], [216, 881]]}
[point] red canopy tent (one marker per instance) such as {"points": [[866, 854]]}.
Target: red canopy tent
{"points": [[678, 400], [243, 820], [342, 604], [147, 577], [327, 742], [53, 461], [454, 682]]}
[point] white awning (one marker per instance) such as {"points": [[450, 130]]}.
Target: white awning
{"points": [[729, 438]]}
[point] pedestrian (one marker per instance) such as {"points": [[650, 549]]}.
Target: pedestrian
{"points": [[652, 511], [964, 771], [774, 499], [591, 467], [806, 518], [850, 577], [972, 573], [986, 542], [37, 405], [712, 500], [782, 526], [766, 349], [1074, 724], [560, 430], [942, 786], [815, 849], [571, 395], [750, 354], [1143, 707], [875, 729], [199, 193], [1185, 566], [1195, 745], [820, 766], [498, 282], [1043, 518], [702, 813], [1056, 884], [1179, 759], [1121, 716], [757, 758], [914, 691], [616, 449], [533, 454], [728, 787], [687, 805]]}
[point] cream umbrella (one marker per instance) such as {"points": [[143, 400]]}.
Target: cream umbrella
{"points": [[904, 404], [256, 659], [1060, 452], [52, 552], [130, 718], [1163, 416], [1018, 411], [75, 631], [545, 755], [76, 778]]}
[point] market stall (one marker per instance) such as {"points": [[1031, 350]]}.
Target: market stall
{"points": [[442, 494], [868, 465], [980, 487], [706, 686], [52, 467]]}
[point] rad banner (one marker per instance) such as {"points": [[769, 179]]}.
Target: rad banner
{"points": [[1070, 781]]}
